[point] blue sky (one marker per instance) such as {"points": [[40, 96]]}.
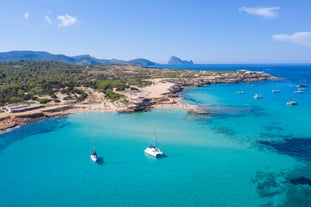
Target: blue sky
{"points": [[205, 31]]}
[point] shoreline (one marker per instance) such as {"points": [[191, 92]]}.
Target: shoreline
{"points": [[163, 93], [9, 120]]}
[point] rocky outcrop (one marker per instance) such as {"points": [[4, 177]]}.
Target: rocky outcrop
{"points": [[11, 120], [219, 77], [138, 104], [175, 89], [7, 123], [177, 61]]}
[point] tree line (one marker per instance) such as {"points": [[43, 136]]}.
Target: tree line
{"points": [[27, 80]]}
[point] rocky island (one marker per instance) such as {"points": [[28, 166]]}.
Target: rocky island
{"points": [[177, 61], [62, 89]]}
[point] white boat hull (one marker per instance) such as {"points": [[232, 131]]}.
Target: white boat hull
{"points": [[291, 103], [240, 92], [93, 157], [257, 96], [154, 152]]}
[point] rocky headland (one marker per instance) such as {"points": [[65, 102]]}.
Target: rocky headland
{"points": [[163, 92]]}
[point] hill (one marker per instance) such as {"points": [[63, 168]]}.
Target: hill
{"points": [[78, 60]]}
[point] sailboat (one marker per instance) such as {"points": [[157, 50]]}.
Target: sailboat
{"points": [[257, 96], [277, 90], [299, 91], [93, 154], [240, 92], [302, 85], [153, 150], [291, 103]]}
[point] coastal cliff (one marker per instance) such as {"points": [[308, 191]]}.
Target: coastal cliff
{"points": [[10, 120]]}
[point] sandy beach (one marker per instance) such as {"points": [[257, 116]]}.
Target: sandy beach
{"points": [[96, 102], [161, 93]]}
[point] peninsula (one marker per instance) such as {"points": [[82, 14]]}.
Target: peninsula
{"points": [[32, 90]]}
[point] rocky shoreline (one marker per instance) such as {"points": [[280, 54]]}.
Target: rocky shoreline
{"points": [[11, 120], [171, 96], [163, 93]]}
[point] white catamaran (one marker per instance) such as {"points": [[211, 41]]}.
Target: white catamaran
{"points": [[153, 150]]}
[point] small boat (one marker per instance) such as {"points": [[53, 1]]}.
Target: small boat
{"points": [[240, 92], [302, 85], [257, 96], [299, 91], [93, 155], [275, 91], [291, 103], [153, 150]]}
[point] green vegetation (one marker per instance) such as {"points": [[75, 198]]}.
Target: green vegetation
{"points": [[43, 100], [27, 80], [32, 80], [138, 82]]}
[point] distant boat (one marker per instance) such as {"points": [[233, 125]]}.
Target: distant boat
{"points": [[275, 91], [153, 150], [291, 103], [302, 85], [299, 91], [240, 92], [93, 154], [257, 96]]}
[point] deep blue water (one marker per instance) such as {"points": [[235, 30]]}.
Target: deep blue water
{"points": [[246, 153], [294, 72]]}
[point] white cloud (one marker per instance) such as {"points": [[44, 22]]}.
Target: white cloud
{"points": [[26, 15], [300, 38], [48, 19], [266, 12], [66, 20]]}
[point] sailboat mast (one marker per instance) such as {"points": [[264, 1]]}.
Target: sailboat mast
{"points": [[93, 142], [155, 138]]}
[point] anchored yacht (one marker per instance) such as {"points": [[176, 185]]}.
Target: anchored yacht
{"points": [[153, 150], [93, 155], [257, 96], [291, 103]]}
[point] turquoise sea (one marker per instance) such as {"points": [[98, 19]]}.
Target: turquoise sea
{"points": [[246, 153]]}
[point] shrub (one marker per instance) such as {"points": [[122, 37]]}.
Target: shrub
{"points": [[43, 100]]}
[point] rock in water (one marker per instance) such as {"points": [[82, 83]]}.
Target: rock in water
{"points": [[177, 61]]}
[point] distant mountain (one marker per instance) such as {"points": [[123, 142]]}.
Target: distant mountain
{"points": [[177, 61], [32, 55], [141, 62], [80, 59], [86, 60]]}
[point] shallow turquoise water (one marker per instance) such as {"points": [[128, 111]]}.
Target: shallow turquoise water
{"points": [[201, 167], [212, 160]]}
